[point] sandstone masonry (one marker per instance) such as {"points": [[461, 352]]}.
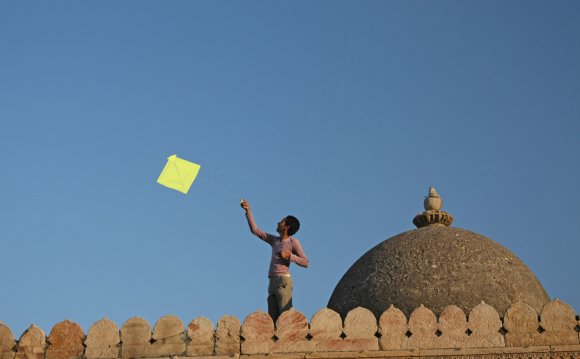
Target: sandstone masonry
{"points": [[520, 333]]}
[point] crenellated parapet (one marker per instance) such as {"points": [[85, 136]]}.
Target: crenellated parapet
{"points": [[522, 330]]}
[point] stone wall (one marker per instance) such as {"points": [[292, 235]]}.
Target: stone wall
{"points": [[521, 333]]}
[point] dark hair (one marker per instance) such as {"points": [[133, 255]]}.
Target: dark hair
{"points": [[293, 223]]}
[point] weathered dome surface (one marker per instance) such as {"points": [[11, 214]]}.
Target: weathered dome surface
{"points": [[437, 266]]}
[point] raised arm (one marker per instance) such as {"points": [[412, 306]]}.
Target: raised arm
{"points": [[252, 224]]}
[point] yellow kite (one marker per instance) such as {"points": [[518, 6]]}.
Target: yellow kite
{"points": [[178, 174]]}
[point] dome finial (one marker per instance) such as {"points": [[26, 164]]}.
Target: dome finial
{"points": [[433, 201], [433, 214]]}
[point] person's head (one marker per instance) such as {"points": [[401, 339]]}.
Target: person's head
{"points": [[290, 223]]}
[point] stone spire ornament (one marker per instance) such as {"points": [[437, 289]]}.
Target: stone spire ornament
{"points": [[433, 215]]}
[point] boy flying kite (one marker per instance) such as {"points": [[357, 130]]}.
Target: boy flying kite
{"points": [[285, 249]]}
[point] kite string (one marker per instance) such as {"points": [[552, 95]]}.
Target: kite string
{"points": [[221, 189], [225, 191]]}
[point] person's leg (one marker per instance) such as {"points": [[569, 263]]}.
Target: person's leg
{"points": [[284, 294], [273, 308]]}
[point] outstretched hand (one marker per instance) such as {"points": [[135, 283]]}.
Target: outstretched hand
{"points": [[245, 205]]}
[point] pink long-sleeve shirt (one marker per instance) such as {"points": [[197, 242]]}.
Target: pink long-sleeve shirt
{"points": [[278, 265]]}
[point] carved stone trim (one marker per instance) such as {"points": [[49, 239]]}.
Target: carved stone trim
{"points": [[429, 218]]}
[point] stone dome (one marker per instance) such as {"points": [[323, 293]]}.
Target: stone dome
{"points": [[436, 265]]}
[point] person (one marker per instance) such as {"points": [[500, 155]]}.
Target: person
{"points": [[285, 249]]}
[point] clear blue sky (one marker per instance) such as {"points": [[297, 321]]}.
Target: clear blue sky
{"points": [[342, 113]]}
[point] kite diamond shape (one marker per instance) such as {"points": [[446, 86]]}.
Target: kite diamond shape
{"points": [[178, 174]]}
